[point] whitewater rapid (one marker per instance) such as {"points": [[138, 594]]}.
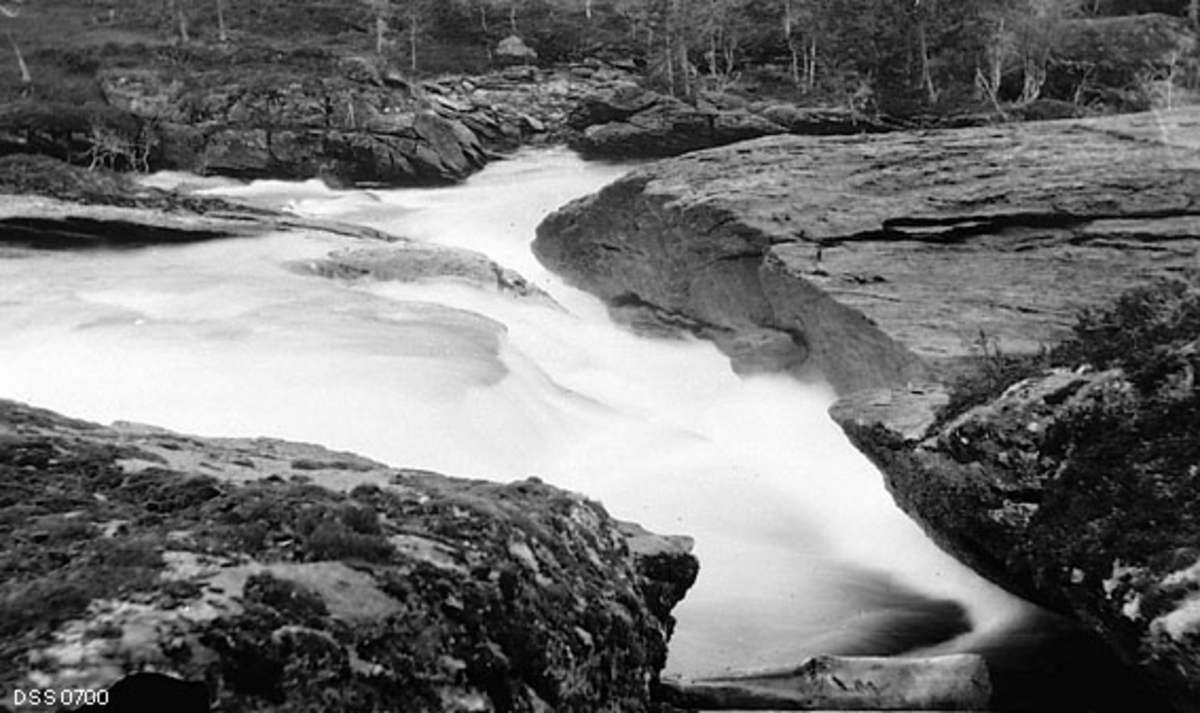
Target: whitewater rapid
{"points": [[802, 550]]}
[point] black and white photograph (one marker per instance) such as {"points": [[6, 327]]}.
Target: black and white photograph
{"points": [[599, 356]]}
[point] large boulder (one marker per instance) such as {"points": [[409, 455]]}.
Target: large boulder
{"points": [[877, 260], [513, 50], [285, 576], [411, 261], [631, 122]]}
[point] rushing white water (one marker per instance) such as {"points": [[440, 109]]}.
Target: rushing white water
{"points": [[802, 550]]}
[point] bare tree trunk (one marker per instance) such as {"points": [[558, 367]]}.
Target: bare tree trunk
{"points": [[381, 26], [926, 75], [512, 16], [26, 78], [811, 64], [587, 9], [677, 50], [184, 36], [412, 42], [176, 12], [789, 21], [222, 34]]}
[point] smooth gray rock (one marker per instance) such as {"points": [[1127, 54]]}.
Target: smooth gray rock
{"points": [[884, 257]]}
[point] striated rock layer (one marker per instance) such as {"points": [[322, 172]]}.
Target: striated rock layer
{"points": [[289, 577], [873, 259]]}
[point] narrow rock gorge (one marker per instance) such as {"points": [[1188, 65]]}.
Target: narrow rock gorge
{"points": [[892, 265]]}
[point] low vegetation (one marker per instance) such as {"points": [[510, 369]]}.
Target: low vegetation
{"points": [[1148, 332]]}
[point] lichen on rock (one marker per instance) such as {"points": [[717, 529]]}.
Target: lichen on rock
{"points": [[1078, 488], [401, 590]]}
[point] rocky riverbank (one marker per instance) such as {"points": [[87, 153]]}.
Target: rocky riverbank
{"points": [[346, 119], [1076, 487], [289, 577], [891, 264]]}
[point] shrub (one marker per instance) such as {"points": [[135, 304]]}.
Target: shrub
{"points": [[989, 373], [1138, 332], [1142, 332]]}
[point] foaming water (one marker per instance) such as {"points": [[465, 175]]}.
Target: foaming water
{"points": [[802, 550]]}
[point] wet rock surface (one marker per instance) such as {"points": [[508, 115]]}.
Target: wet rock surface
{"points": [[285, 576], [883, 257], [414, 262], [55, 206]]}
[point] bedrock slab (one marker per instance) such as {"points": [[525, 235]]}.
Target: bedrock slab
{"points": [[880, 260]]}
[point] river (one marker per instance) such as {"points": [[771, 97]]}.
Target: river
{"points": [[802, 550]]}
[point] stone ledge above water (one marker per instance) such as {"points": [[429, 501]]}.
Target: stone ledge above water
{"points": [[882, 257]]}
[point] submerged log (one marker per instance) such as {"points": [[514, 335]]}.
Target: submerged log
{"points": [[959, 682]]}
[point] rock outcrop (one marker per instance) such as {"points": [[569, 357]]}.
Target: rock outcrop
{"points": [[890, 263], [520, 105], [626, 120], [286, 577], [49, 205], [352, 120], [350, 127], [1078, 489], [629, 121], [877, 259]]}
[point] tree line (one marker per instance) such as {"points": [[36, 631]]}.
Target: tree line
{"points": [[867, 52], [899, 53]]}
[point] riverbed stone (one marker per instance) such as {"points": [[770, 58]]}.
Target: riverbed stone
{"points": [[412, 261]]}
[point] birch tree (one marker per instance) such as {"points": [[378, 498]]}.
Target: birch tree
{"points": [[222, 32], [13, 13], [177, 15]]}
